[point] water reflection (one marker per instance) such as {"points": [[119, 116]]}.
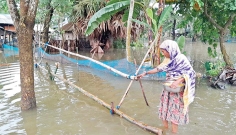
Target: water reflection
{"points": [[29, 122], [62, 109]]}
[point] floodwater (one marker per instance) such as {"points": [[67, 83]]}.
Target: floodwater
{"points": [[63, 110]]}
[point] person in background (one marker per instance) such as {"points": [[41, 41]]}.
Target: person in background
{"points": [[174, 105]]}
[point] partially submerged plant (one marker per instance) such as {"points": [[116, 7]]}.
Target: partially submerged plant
{"points": [[213, 69]]}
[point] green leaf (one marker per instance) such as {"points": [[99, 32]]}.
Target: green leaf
{"points": [[149, 12], [125, 16], [143, 23], [151, 15], [115, 1], [214, 45], [136, 13], [209, 50], [164, 15], [181, 42], [104, 14]]}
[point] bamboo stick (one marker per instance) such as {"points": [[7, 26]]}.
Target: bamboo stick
{"points": [[154, 130], [127, 90], [49, 71], [128, 33], [97, 62], [141, 86], [57, 64]]}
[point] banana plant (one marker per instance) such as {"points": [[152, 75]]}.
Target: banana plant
{"points": [[157, 21], [115, 6], [104, 14], [181, 43]]}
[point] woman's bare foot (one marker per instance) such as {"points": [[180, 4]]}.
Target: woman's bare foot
{"points": [[174, 128]]}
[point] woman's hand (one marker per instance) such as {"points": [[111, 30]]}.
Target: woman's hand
{"points": [[176, 83], [141, 75]]}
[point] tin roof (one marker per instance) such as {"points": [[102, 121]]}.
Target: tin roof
{"points": [[67, 27], [5, 19]]}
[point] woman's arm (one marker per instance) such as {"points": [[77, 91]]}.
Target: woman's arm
{"points": [[153, 71]]}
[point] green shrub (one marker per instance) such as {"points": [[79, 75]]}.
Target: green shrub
{"points": [[213, 69], [119, 44]]}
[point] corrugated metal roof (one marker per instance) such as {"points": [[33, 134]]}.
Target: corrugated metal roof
{"points": [[5, 19], [67, 27]]}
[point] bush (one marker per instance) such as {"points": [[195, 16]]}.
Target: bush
{"points": [[213, 69], [119, 44]]}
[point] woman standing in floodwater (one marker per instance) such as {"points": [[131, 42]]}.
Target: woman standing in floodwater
{"points": [[174, 105]]}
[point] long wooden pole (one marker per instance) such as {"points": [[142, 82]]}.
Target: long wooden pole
{"points": [[128, 33], [141, 86], [127, 90], [154, 130]]}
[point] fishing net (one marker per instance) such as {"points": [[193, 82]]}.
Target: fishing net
{"points": [[121, 66]]}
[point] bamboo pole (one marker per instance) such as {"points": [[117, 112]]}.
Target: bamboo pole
{"points": [[49, 71], [154, 130], [128, 33], [127, 90], [97, 62], [161, 7], [142, 87]]}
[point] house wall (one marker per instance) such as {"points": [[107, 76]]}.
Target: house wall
{"points": [[10, 28], [69, 36]]}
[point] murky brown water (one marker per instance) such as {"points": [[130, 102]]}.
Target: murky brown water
{"points": [[62, 109]]}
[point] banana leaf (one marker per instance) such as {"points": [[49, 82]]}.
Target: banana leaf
{"points": [[164, 15], [105, 14]]}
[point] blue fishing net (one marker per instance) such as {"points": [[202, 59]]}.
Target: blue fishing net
{"points": [[121, 65]]}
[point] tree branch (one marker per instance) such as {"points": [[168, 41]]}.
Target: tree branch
{"points": [[14, 12], [230, 20], [210, 18], [24, 7], [24, 16], [33, 7]]}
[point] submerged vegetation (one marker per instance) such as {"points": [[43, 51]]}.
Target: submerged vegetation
{"points": [[213, 69]]}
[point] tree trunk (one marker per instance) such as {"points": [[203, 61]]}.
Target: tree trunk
{"points": [[26, 68], [47, 21], [173, 29], [24, 20], [223, 50]]}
